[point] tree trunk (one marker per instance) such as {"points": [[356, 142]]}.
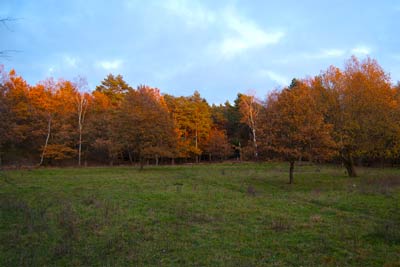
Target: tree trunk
{"points": [[141, 163], [156, 160], [349, 165], [81, 109], [80, 146], [130, 157], [291, 172], [47, 141], [240, 152], [196, 141], [255, 144]]}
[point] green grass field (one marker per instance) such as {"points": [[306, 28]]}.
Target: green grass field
{"points": [[200, 215]]}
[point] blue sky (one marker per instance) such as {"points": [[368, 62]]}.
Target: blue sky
{"points": [[219, 48]]}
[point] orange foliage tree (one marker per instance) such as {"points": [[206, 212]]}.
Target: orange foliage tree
{"points": [[217, 144], [17, 94], [192, 117], [103, 120], [361, 105], [42, 97], [293, 126], [357, 107], [6, 115], [145, 124]]}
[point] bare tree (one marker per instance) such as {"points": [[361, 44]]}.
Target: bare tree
{"points": [[5, 23]]}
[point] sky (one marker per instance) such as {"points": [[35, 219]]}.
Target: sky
{"points": [[219, 48]]}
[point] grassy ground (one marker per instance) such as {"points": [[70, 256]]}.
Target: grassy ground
{"points": [[205, 215]]}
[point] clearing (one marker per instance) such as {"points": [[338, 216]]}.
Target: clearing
{"points": [[200, 215]]}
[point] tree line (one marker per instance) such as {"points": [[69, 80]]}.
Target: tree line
{"points": [[349, 115]]}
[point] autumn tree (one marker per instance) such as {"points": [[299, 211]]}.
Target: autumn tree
{"points": [[294, 128], [53, 108], [17, 124], [217, 145], [103, 122], [200, 121], [356, 106], [101, 125], [40, 118], [192, 117], [5, 121], [5, 115], [249, 108], [82, 101], [145, 124], [227, 131], [238, 132], [62, 143], [179, 109], [42, 99], [361, 106]]}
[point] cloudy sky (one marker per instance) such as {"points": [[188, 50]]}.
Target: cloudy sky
{"points": [[219, 48]]}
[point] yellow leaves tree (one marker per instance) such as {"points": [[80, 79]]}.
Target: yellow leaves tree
{"points": [[192, 118]]}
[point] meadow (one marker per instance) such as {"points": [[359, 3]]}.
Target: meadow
{"points": [[226, 214]]}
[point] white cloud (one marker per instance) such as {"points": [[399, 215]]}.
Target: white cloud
{"points": [[193, 14], [109, 65], [276, 77], [361, 50], [332, 53], [337, 53], [245, 34], [71, 61], [50, 70], [239, 34], [324, 54]]}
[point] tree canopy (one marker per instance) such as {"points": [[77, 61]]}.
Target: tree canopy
{"points": [[349, 115]]}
